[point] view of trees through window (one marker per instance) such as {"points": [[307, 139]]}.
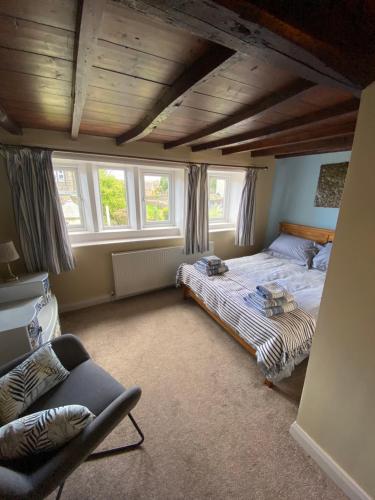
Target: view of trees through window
{"points": [[113, 195], [66, 182], [216, 197], [156, 192]]}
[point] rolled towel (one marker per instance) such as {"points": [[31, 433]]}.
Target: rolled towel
{"points": [[271, 290], [258, 299]]}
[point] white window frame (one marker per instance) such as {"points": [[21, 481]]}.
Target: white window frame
{"points": [[225, 219], [98, 199], [81, 204], [94, 233], [171, 185]]}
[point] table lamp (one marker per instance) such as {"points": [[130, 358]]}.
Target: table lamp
{"points": [[8, 253]]}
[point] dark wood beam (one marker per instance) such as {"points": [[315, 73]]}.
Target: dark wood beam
{"points": [[217, 59], [250, 111], [303, 147], [91, 13], [239, 26], [348, 108], [339, 33], [8, 124], [339, 130], [306, 153]]}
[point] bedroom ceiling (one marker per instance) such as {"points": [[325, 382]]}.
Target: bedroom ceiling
{"points": [[144, 74]]}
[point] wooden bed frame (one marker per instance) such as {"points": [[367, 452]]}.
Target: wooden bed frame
{"points": [[319, 235]]}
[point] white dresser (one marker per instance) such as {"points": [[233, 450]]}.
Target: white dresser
{"points": [[28, 315]]}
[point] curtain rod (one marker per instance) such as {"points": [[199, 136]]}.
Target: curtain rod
{"points": [[136, 157]]}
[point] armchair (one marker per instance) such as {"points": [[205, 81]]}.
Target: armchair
{"points": [[88, 385]]}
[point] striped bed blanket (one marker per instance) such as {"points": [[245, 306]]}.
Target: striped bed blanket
{"points": [[281, 342]]}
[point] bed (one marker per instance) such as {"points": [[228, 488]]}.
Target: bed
{"points": [[279, 343]]}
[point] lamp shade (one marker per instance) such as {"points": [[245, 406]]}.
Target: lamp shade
{"points": [[8, 252]]}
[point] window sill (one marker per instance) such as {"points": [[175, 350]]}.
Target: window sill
{"points": [[127, 240], [123, 236], [216, 227]]}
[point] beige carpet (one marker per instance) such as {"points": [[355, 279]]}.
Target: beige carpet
{"points": [[213, 430]]}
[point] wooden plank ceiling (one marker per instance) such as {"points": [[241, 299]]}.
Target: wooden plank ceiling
{"points": [[156, 70]]}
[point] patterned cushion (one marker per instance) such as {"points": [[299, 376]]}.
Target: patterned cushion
{"points": [[42, 431], [23, 385], [321, 260]]}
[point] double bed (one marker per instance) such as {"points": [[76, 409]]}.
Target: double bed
{"points": [[281, 342]]}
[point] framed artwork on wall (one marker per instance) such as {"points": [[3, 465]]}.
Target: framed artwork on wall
{"points": [[331, 185]]}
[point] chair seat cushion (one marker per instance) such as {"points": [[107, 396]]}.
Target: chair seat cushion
{"points": [[87, 385], [42, 431]]}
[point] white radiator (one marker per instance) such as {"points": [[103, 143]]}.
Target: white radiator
{"points": [[144, 270]]}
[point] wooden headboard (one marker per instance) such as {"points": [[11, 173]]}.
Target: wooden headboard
{"points": [[317, 234]]}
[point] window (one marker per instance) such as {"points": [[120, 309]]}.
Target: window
{"points": [[113, 197], [70, 197], [105, 200], [156, 198], [218, 192]]}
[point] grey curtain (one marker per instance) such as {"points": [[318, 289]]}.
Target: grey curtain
{"points": [[246, 212], [37, 209], [196, 224]]}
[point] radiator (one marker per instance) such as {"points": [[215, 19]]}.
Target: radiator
{"points": [[145, 270]]}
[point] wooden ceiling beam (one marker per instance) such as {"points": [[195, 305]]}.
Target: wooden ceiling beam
{"points": [[240, 26], [339, 130], [318, 146], [305, 153], [91, 13], [217, 59], [247, 112], [243, 142], [8, 124]]}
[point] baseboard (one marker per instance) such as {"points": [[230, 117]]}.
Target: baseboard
{"points": [[73, 306], [326, 463]]}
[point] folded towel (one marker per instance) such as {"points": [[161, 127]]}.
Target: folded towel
{"points": [[269, 312], [271, 290], [210, 271], [211, 260], [258, 299]]}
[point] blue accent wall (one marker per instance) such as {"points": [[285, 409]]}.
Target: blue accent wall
{"points": [[293, 195]]}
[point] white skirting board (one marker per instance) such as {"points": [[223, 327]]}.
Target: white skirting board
{"points": [[326, 463], [94, 301]]}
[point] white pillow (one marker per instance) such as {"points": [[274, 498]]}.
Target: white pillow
{"points": [[300, 250], [23, 385], [42, 431]]}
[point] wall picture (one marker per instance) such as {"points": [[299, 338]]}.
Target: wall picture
{"points": [[331, 185]]}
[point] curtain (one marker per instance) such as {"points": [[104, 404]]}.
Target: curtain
{"points": [[246, 212], [196, 224], [39, 218]]}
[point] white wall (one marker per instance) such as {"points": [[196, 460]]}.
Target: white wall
{"points": [[338, 403]]}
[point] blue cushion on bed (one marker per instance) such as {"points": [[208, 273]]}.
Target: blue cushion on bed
{"points": [[321, 259], [300, 250]]}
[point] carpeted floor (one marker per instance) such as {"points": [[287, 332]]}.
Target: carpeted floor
{"points": [[213, 430]]}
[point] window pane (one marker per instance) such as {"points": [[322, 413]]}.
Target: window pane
{"points": [[66, 181], [216, 197], [113, 195], [156, 198]]}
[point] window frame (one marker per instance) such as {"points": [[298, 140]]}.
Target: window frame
{"points": [[98, 199], [142, 172], [81, 205], [227, 200]]}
